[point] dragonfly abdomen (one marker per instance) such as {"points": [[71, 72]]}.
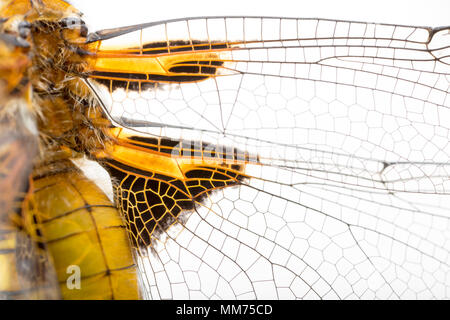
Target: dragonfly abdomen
{"points": [[83, 229]]}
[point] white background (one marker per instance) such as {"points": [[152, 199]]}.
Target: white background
{"points": [[101, 14]]}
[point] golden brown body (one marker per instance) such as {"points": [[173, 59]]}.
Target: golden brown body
{"points": [[83, 229], [76, 221], [26, 268]]}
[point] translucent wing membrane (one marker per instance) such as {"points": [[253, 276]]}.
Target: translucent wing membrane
{"points": [[345, 126]]}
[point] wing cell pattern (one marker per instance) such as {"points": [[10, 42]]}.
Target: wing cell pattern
{"points": [[349, 120]]}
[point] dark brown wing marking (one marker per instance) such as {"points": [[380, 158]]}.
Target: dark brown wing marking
{"points": [[153, 202]]}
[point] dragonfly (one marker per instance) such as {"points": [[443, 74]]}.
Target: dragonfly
{"points": [[250, 158]]}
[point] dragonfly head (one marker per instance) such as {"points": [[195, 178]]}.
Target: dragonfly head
{"points": [[74, 29]]}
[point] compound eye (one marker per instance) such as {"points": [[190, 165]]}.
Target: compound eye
{"points": [[12, 40], [24, 29], [74, 23]]}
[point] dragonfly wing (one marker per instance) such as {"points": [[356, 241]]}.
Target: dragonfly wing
{"points": [[347, 197]]}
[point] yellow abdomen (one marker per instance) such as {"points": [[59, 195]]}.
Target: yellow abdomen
{"points": [[85, 236]]}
